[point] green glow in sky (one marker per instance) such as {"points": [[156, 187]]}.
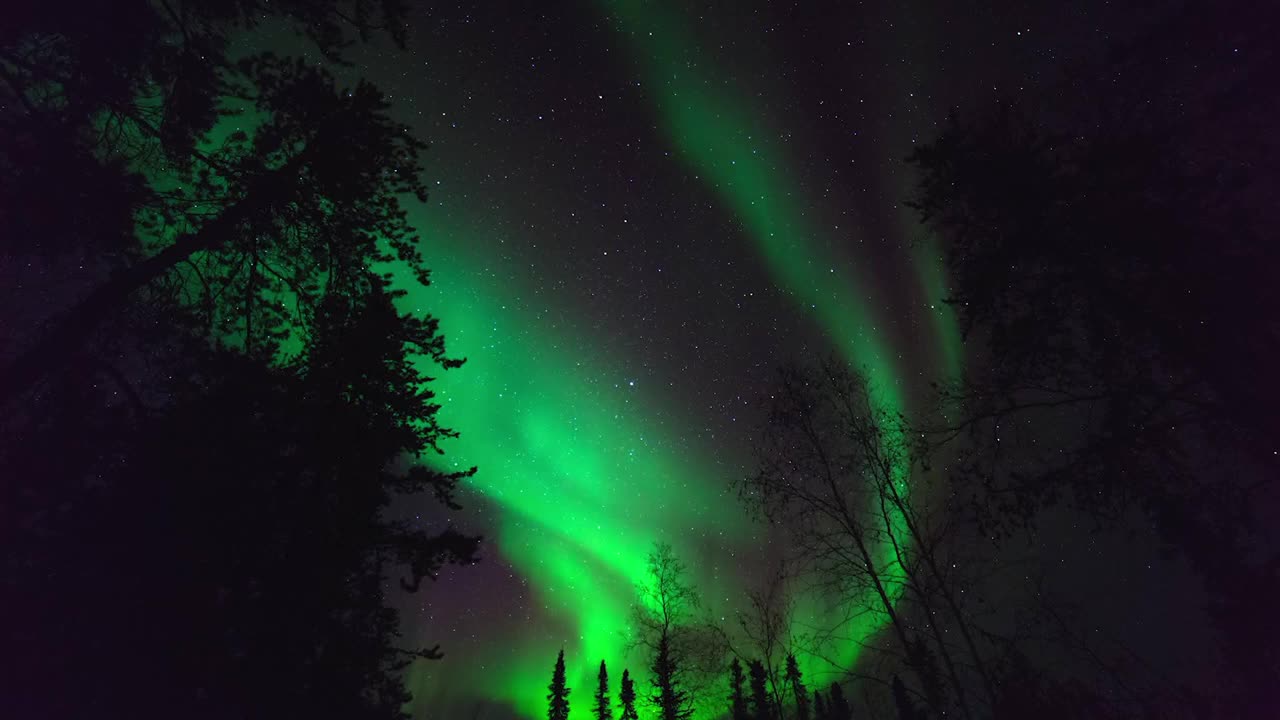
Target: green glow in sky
{"points": [[725, 140], [587, 470], [576, 458]]}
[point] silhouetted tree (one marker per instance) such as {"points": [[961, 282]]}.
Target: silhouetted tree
{"points": [[837, 707], [764, 628], [1102, 241], [799, 693], [845, 480], [293, 204], [762, 705], [558, 692], [906, 708], [820, 707], [627, 697], [737, 695], [212, 423], [603, 710], [686, 653], [671, 700], [259, 580]]}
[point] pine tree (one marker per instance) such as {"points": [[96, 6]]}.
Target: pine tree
{"points": [[801, 693], [627, 697], [672, 701], [684, 653], [906, 709], [837, 707], [602, 709], [761, 708], [820, 707], [737, 697], [558, 697]]}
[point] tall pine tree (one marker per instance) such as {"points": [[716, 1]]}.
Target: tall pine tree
{"points": [[837, 707], [602, 709], [761, 707], [906, 708], [684, 653], [671, 699], [796, 681], [737, 696], [820, 707], [558, 697], [627, 697]]}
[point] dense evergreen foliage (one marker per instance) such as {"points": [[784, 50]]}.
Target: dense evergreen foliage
{"points": [[214, 404]]}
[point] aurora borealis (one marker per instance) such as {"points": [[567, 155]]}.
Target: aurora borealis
{"points": [[639, 360], [637, 214]]}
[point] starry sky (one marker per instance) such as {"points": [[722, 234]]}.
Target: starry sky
{"points": [[639, 211]]}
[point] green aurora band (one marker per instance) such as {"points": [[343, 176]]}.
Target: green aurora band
{"points": [[585, 472], [585, 478], [722, 140]]}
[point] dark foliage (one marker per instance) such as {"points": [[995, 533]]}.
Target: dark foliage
{"points": [[602, 710], [627, 697], [800, 694], [837, 707], [229, 185], [737, 695], [671, 700], [907, 709], [762, 707], [211, 401], [1108, 247], [235, 540], [558, 692], [685, 653]]}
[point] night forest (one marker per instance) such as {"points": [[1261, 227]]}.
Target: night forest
{"points": [[639, 359]]}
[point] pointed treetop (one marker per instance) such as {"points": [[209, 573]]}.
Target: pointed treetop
{"points": [[558, 692], [627, 698], [602, 710]]}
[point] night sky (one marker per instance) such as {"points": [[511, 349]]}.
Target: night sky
{"points": [[640, 210]]}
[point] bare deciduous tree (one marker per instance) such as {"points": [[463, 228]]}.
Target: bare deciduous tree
{"points": [[837, 473], [686, 652]]}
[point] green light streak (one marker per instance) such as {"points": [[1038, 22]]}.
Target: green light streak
{"points": [[722, 139], [575, 457], [584, 477]]}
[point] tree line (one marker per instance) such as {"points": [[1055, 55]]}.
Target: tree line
{"points": [[755, 701], [684, 654]]}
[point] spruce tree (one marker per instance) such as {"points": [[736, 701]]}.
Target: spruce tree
{"points": [[761, 708], [737, 696], [906, 709], [837, 707], [820, 711], [558, 697], [602, 709], [672, 701], [796, 681], [684, 653], [627, 697]]}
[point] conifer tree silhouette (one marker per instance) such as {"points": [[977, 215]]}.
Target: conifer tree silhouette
{"points": [[558, 692]]}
